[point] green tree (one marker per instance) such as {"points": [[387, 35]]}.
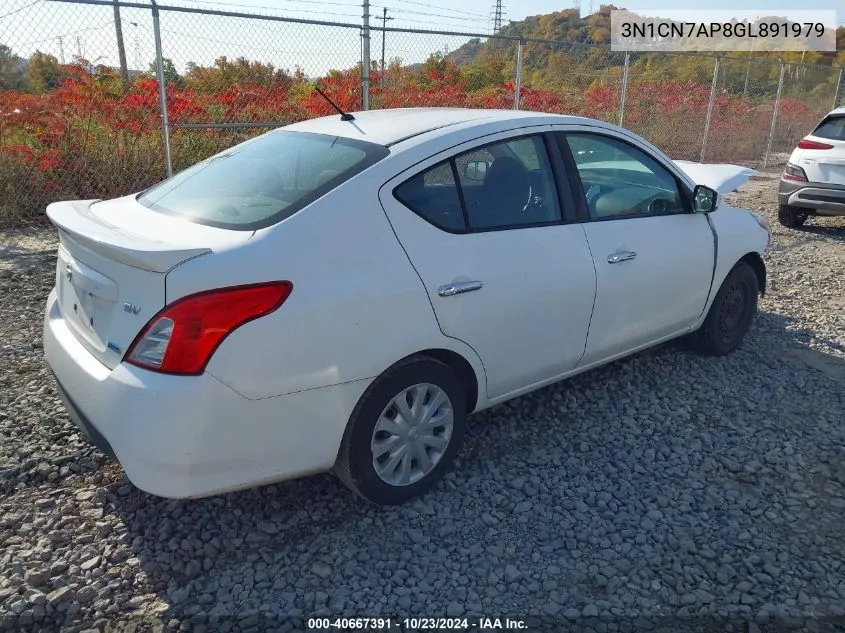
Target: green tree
{"points": [[225, 72], [171, 75], [492, 69], [440, 65], [43, 73], [11, 69]]}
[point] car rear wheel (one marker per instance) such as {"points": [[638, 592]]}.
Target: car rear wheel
{"points": [[791, 217], [731, 313], [404, 432]]}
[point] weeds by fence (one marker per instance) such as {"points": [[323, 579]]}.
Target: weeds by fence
{"points": [[77, 123]]}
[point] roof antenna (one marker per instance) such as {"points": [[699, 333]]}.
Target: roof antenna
{"points": [[344, 116]]}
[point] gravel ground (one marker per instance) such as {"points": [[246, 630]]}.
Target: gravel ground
{"points": [[693, 493]]}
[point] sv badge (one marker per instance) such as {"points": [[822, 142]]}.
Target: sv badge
{"points": [[131, 307]]}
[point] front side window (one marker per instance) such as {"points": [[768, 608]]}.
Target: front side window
{"points": [[502, 185], [262, 181], [620, 180]]}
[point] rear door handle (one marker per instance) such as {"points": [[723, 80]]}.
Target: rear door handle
{"points": [[448, 290], [621, 256]]}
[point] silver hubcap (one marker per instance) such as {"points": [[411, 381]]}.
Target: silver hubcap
{"points": [[412, 434]]}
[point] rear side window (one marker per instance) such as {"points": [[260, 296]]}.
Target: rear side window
{"points": [[262, 181], [503, 185], [433, 195], [833, 128]]}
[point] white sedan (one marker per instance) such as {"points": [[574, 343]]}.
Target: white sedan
{"points": [[341, 294]]}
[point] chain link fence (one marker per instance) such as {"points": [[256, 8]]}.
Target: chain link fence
{"points": [[84, 115]]}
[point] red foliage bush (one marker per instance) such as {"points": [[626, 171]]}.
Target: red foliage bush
{"points": [[90, 137]]}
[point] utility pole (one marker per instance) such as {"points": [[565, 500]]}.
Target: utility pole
{"points": [[365, 62], [121, 51], [748, 69], [497, 16], [61, 49], [384, 20]]}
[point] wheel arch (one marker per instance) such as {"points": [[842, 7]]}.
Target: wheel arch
{"points": [[460, 366], [754, 260]]}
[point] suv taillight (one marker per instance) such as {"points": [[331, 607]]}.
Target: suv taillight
{"points": [[182, 337], [806, 143], [794, 172]]}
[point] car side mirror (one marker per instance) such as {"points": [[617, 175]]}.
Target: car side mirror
{"points": [[476, 169], [704, 199]]}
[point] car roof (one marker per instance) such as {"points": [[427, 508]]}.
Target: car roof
{"points": [[389, 127], [837, 111]]}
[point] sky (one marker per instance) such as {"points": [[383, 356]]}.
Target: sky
{"points": [[66, 30]]}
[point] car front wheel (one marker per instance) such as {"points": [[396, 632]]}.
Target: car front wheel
{"points": [[404, 432], [731, 313], [791, 217]]}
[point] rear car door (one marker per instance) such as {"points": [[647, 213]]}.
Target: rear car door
{"points": [[654, 257], [490, 232]]}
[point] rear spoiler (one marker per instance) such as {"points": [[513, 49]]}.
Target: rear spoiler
{"points": [[74, 219], [723, 178]]}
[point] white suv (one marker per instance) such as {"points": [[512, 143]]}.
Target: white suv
{"points": [[813, 182]]}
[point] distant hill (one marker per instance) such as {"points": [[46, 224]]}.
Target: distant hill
{"points": [[570, 29], [565, 25]]}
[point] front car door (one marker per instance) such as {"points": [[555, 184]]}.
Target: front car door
{"points": [[492, 234], [654, 257]]}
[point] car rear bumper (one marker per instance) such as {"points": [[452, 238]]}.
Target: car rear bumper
{"points": [[193, 436], [823, 198]]}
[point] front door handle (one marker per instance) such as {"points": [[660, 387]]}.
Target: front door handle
{"points": [[621, 256], [448, 290]]}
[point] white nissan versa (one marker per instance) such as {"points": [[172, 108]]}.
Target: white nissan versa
{"points": [[341, 293]]}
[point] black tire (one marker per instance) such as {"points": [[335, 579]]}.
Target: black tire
{"points": [[791, 217], [731, 313], [355, 464]]}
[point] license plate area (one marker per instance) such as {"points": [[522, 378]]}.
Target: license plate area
{"points": [[86, 299], [833, 172]]}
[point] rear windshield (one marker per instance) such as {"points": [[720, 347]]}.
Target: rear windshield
{"points": [[833, 128], [262, 181]]}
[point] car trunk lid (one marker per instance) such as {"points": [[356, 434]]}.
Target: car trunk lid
{"points": [[825, 165], [112, 262]]}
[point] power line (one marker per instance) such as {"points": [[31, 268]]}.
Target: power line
{"points": [[31, 4], [350, 15], [441, 8], [439, 15], [431, 24], [253, 6], [263, 6], [246, 46], [53, 37]]}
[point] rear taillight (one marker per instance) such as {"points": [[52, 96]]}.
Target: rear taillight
{"points": [[181, 338], [794, 172], [806, 143]]}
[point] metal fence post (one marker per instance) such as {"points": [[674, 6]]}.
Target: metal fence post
{"points": [[517, 86], [710, 109], [774, 115], [624, 87], [162, 91], [837, 96], [365, 61]]}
